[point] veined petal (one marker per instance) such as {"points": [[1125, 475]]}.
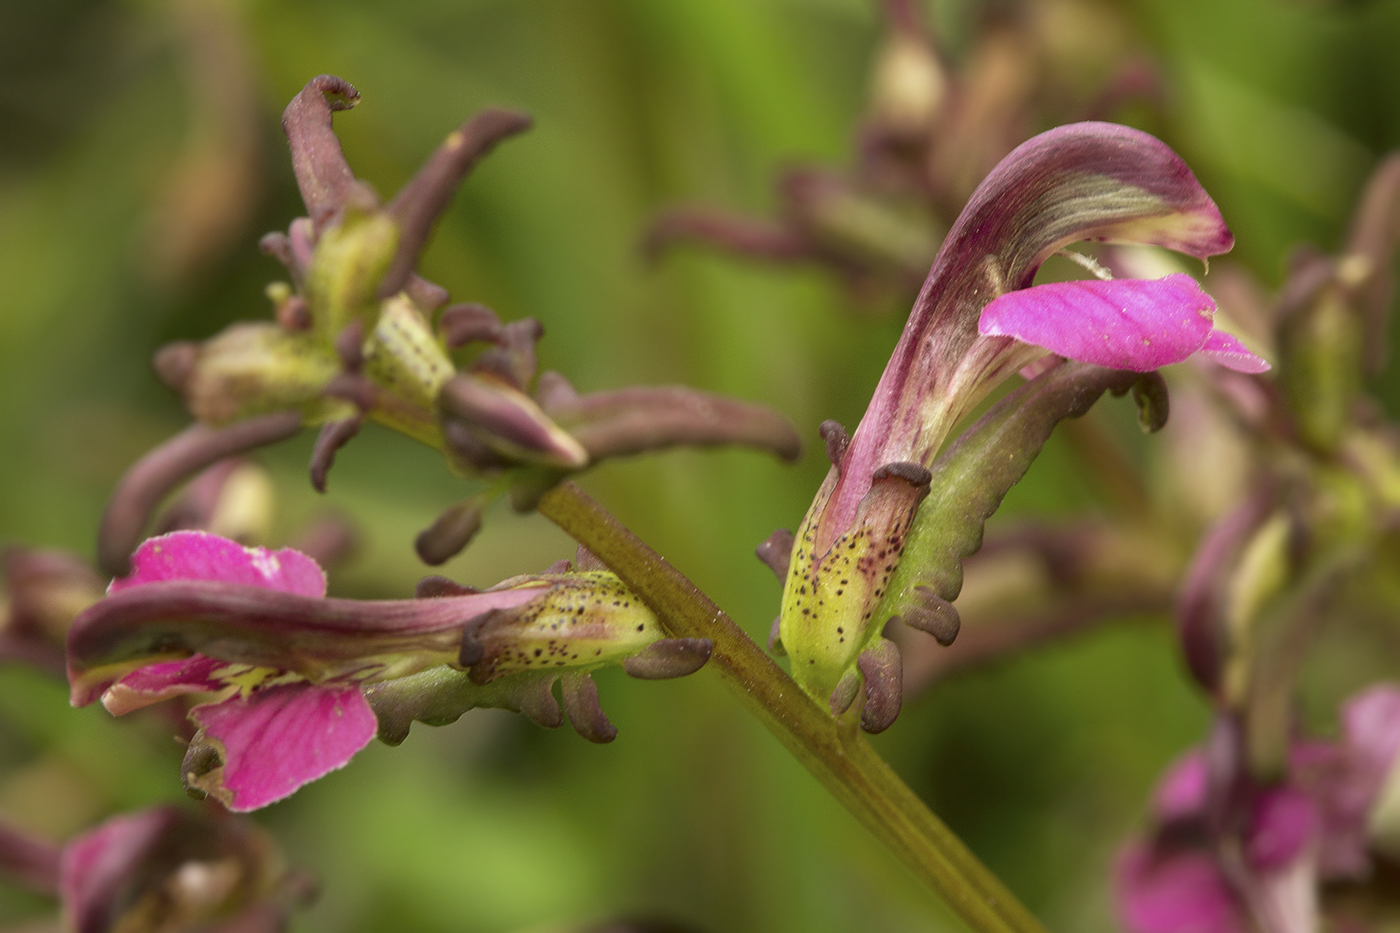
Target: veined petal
{"points": [[1128, 324], [276, 739], [198, 555]]}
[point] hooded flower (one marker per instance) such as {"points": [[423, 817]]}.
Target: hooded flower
{"points": [[282, 669], [1222, 861], [1088, 181]]}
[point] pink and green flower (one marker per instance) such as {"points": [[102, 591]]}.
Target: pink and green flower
{"points": [[280, 669]]}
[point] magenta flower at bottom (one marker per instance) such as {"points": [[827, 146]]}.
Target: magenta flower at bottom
{"points": [[1256, 861]]}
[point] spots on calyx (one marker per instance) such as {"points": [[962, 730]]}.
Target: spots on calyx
{"points": [[585, 619]]}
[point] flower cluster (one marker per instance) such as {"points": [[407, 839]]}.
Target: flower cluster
{"points": [[354, 339]]}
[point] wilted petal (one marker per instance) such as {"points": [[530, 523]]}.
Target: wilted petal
{"points": [[279, 738], [198, 555], [1175, 892], [1132, 324], [172, 869]]}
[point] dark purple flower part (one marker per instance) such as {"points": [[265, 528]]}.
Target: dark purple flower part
{"points": [[281, 669], [1222, 861], [1088, 181], [1121, 323]]}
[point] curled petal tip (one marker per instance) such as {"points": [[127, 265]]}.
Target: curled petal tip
{"points": [[323, 175]]}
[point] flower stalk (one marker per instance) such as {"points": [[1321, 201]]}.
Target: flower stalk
{"points": [[833, 750]]}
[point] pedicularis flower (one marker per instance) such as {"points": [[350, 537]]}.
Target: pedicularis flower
{"points": [[282, 670], [977, 321], [1231, 859]]}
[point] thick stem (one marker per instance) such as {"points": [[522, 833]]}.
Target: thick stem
{"points": [[838, 756]]}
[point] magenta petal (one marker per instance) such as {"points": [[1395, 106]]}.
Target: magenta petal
{"points": [[1224, 349], [198, 555], [1174, 892], [1372, 723], [1284, 822], [279, 738], [1131, 324], [1182, 790], [156, 682], [96, 866]]}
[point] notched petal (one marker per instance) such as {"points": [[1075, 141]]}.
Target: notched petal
{"points": [[1153, 402], [469, 322], [514, 360], [844, 693], [931, 613], [836, 439], [334, 435], [255, 750]]}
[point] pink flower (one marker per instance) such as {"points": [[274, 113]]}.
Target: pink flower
{"points": [[286, 666], [1259, 855]]}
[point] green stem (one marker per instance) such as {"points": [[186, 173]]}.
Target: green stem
{"points": [[838, 756]]}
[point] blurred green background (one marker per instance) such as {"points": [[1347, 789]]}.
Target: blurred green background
{"points": [[140, 160]]}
